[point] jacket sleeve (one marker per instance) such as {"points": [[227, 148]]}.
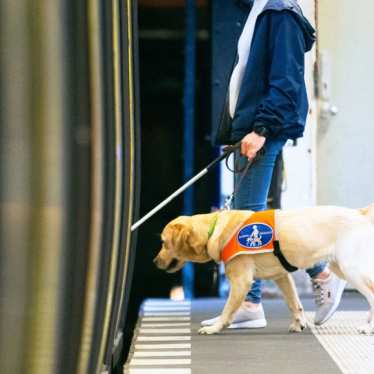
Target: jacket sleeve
{"points": [[278, 109]]}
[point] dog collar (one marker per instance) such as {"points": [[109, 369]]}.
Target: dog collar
{"points": [[212, 226]]}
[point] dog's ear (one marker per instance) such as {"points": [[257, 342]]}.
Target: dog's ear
{"points": [[181, 233], [196, 240], [185, 235]]}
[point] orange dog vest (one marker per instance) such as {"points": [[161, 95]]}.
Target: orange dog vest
{"points": [[255, 235]]}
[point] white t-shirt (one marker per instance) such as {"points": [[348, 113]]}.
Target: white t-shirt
{"points": [[244, 46]]}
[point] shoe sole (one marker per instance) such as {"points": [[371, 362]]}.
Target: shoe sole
{"points": [[255, 324], [335, 306]]}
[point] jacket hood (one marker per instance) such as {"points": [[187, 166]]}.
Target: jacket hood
{"points": [[294, 7]]}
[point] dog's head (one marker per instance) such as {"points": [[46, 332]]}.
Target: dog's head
{"points": [[182, 241]]}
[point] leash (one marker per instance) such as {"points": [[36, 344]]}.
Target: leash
{"points": [[243, 171], [227, 151]]}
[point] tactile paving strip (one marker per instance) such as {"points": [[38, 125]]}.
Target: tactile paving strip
{"points": [[352, 351], [162, 339]]}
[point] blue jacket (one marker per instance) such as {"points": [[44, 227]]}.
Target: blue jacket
{"points": [[273, 92]]}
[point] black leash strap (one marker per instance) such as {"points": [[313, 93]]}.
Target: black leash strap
{"points": [[278, 253], [227, 151], [237, 170]]}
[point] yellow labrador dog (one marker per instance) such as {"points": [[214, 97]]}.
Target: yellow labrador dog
{"points": [[342, 236]]}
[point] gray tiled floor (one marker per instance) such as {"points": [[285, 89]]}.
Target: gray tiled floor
{"points": [[266, 351]]}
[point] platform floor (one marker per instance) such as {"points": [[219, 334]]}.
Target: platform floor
{"points": [[166, 341]]}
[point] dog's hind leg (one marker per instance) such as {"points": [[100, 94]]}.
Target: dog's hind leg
{"points": [[371, 288], [364, 285], [288, 288], [334, 267], [239, 272], [369, 294], [354, 255]]}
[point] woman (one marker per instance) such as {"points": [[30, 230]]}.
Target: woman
{"points": [[263, 104]]}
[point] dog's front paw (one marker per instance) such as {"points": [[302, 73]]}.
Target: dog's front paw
{"points": [[209, 330], [298, 325], [367, 329]]}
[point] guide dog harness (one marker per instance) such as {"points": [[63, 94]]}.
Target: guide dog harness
{"points": [[255, 235]]}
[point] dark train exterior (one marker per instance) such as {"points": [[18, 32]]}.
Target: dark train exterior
{"points": [[69, 183]]}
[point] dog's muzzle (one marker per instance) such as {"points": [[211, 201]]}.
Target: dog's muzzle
{"points": [[173, 264]]}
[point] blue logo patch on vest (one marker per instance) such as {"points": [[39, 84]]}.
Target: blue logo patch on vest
{"points": [[255, 235]]}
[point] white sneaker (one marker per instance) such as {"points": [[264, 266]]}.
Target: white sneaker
{"points": [[243, 319], [327, 293]]}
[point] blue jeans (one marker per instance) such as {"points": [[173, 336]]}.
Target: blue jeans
{"points": [[252, 195]]}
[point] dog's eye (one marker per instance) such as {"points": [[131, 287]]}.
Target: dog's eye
{"points": [[165, 245]]}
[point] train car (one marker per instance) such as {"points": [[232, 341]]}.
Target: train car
{"points": [[69, 182]]}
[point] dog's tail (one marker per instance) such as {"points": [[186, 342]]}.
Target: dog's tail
{"points": [[368, 212]]}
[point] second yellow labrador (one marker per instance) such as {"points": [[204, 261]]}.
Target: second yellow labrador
{"points": [[342, 236]]}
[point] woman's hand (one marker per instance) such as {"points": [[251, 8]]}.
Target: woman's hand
{"points": [[251, 144]]}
